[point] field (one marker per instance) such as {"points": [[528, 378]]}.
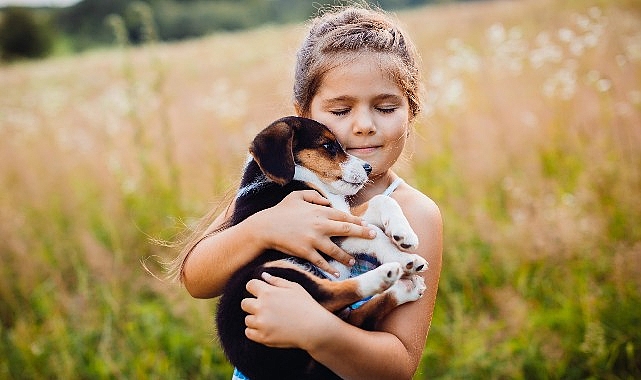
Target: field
{"points": [[530, 143]]}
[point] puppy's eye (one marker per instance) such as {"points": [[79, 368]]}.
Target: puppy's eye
{"points": [[331, 147]]}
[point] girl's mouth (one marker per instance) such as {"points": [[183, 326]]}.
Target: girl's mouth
{"points": [[363, 150]]}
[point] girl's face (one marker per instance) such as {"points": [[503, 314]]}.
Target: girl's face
{"points": [[366, 110]]}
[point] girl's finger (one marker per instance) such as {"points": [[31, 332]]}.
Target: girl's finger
{"points": [[250, 321], [312, 196], [318, 260], [341, 216], [255, 287], [275, 280], [350, 229], [252, 334], [249, 305], [335, 252]]}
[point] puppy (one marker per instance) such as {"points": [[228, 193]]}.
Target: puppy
{"points": [[296, 154]]}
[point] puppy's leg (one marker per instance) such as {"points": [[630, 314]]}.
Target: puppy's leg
{"points": [[336, 295], [385, 251], [385, 213], [405, 290]]}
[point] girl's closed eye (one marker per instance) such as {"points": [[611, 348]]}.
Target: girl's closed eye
{"points": [[386, 109], [340, 112]]}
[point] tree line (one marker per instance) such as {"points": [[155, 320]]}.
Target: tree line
{"points": [[37, 32]]}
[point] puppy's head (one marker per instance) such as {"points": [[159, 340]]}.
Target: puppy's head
{"points": [[294, 142]]}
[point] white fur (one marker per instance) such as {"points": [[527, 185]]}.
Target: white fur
{"points": [[379, 279], [338, 201], [383, 213], [408, 289], [385, 216], [254, 186]]}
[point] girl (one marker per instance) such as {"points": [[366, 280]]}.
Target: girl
{"points": [[356, 72]]}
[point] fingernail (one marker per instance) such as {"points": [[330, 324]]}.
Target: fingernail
{"points": [[266, 275], [352, 262], [337, 275], [372, 233]]}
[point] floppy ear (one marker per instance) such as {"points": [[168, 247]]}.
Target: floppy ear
{"points": [[272, 150]]}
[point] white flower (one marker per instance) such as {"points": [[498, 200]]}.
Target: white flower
{"points": [[563, 83], [566, 35], [603, 85], [635, 97], [463, 57], [496, 34], [595, 13]]}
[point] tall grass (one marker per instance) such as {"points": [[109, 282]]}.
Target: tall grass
{"points": [[530, 144]]}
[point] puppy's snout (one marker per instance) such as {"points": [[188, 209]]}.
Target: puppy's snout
{"points": [[367, 167]]}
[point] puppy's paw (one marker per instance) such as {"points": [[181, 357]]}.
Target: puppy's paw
{"points": [[399, 230], [414, 264], [386, 213], [408, 289], [379, 279]]}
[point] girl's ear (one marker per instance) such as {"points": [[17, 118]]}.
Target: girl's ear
{"points": [[272, 151]]}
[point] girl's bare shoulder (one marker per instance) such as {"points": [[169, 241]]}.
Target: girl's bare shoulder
{"points": [[416, 205]]}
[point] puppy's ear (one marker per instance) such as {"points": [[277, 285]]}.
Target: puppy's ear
{"points": [[272, 150]]}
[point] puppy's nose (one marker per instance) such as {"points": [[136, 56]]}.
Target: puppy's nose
{"points": [[367, 167]]}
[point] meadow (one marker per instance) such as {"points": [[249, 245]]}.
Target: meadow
{"points": [[530, 143]]}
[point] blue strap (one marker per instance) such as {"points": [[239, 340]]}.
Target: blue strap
{"points": [[390, 189], [238, 375]]}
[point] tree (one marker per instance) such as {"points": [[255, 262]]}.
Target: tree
{"points": [[23, 36]]}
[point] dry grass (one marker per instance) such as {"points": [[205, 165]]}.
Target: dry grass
{"points": [[530, 143]]}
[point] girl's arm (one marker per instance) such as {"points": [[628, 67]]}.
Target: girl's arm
{"points": [[284, 315], [303, 214]]}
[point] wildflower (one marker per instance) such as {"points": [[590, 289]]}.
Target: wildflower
{"points": [[453, 93], [563, 83], [508, 48], [632, 48], [496, 34], [582, 22], [529, 119], [595, 13], [225, 101], [566, 35], [593, 76], [545, 52], [463, 58], [577, 47], [603, 85], [635, 97]]}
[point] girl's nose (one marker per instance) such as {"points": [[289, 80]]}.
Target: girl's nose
{"points": [[364, 124]]}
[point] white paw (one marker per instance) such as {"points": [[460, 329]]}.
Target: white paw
{"points": [[408, 289], [399, 230], [384, 212], [413, 264], [379, 279]]}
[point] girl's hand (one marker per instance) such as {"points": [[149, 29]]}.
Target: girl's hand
{"points": [[302, 224], [278, 302]]}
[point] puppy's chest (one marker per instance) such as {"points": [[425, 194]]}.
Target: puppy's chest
{"points": [[338, 202]]}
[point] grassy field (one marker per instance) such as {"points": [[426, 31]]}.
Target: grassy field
{"points": [[530, 143]]}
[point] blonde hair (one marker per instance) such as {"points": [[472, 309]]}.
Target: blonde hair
{"points": [[342, 33]]}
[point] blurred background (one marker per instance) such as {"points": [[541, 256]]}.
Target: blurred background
{"points": [[123, 122]]}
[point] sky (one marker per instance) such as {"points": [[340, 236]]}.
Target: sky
{"points": [[38, 3]]}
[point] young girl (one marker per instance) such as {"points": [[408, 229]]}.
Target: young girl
{"points": [[356, 72]]}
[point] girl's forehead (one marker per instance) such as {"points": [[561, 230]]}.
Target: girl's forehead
{"points": [[371, 72]]}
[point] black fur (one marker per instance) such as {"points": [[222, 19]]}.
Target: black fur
{"points": [[254, 360]]}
